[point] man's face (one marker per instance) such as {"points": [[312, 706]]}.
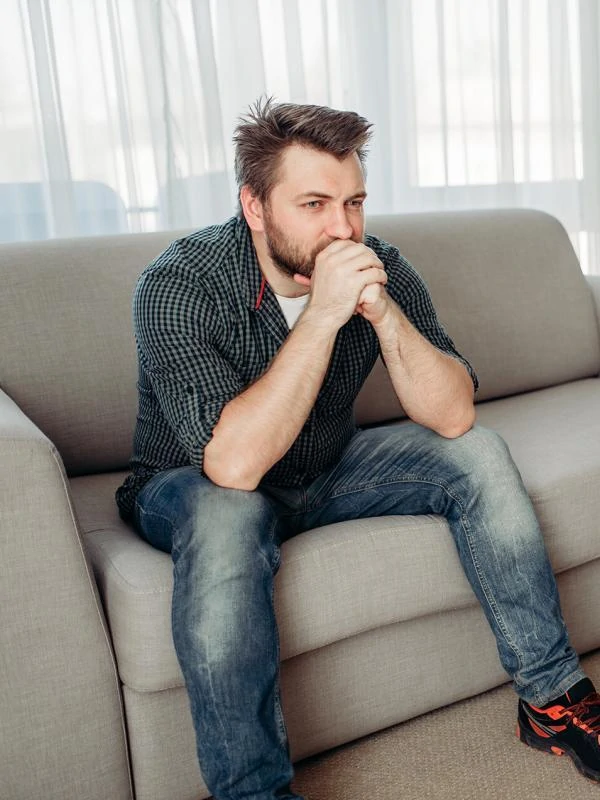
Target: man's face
{"points": [[317, 199]]}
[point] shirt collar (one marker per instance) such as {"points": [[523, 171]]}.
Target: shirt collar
{"points": [[258, 295], [254, 283]]}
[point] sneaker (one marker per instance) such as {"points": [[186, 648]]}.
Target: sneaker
{"points": [[570, 724]]}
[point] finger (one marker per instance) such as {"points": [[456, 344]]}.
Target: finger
{"points": [[301, 279], [373, 275], [347, 249], [370, 294], [360, 258], [339, 244]]}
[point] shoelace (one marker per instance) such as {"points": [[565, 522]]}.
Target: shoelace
{"points": [[586, 713]]}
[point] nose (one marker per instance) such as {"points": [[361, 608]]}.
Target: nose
{"points": [[338, 224]]}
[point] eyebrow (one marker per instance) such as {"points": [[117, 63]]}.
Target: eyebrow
{"points": [[324, 196]]}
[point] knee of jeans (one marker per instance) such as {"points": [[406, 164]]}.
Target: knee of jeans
{"points": [[491, 491], [225, 558], [484, 458], [227, 530]]}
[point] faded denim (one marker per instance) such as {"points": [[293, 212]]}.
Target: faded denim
{"points": [[225, 549]]}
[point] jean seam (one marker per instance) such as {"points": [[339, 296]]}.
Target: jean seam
{"points": [[275, 563], [275, 550], [141, 510], [489, 597], [153, 514], [416, 478], [206, 642]]}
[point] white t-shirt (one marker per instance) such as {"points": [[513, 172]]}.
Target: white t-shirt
{"points": [[292, 307]]}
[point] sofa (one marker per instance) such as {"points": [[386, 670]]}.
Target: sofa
{"points": [[378, 623]]}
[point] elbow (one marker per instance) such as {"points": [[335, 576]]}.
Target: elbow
{"points": [[459, 426], [234, 481], [228, 473]]}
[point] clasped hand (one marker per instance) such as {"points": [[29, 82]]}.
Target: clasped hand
{"points": [[348, 279]]}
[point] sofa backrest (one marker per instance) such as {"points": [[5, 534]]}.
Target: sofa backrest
{"points": [[67, 352], [507, 286], [509, 290]]}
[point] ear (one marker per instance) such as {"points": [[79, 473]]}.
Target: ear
{"points": [[252, 209]]}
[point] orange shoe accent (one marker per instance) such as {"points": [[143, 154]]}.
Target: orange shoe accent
{"points": [[558, 728], [582, 725], [557, 751], [554, 712]]}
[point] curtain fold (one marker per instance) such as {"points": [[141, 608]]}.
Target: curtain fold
{"points": [[117, 115]]}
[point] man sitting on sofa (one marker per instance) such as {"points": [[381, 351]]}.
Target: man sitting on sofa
{"points": [[254, 338]]}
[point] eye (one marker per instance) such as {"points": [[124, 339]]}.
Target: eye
{"points": [[356, 202], [313, 204]]}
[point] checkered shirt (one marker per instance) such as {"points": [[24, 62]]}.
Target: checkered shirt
{"points": [[204, 333]]}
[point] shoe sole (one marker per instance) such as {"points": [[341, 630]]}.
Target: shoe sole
{"points": [[534, 741]]}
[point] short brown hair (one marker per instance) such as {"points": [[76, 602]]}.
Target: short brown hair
{"points": [[269, 127]]}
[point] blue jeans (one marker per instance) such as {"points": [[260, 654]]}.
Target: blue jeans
{"points": [[225, 549]]}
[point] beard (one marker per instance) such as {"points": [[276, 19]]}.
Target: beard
{"points": [[286, 254]]}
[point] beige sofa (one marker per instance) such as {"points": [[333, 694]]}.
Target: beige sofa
{"points": [[378, 623]]}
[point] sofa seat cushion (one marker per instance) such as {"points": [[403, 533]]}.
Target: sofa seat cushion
{"points": [[341, 580], [554, 437], [334, 582]]}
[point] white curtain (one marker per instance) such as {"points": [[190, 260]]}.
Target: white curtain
{"points": [[117, 115]]}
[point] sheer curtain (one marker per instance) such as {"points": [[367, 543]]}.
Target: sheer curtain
{"points": [[116, 115]]}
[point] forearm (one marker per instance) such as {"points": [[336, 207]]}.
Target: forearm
{"points": [[258, 427], [434, 389]]}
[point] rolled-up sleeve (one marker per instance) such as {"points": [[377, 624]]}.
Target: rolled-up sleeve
{"points": [[181, 340]]}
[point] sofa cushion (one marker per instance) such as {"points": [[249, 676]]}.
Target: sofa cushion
{"points": [[510, 272], [317, 598], [554, 437], [341, 580], [508, 288], [68, 353]]}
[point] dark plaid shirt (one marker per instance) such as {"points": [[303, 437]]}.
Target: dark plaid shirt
{"points": [[205, 332]]}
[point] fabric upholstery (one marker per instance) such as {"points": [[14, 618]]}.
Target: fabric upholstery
{"points": [[163, 746], [317, 601], [501, 282], [511, 272], [68, 354], [317, 604], [594, 284], [161, 723], [352, 687], [553, 436], [61, 722], [366, 609]]}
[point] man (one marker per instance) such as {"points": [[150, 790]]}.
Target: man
{"points": [[254, 338]]}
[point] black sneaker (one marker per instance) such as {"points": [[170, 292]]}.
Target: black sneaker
{"points": [[570, 724]]}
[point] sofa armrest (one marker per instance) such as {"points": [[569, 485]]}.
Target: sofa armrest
{"points": [[61, 725], [594, 282]]}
